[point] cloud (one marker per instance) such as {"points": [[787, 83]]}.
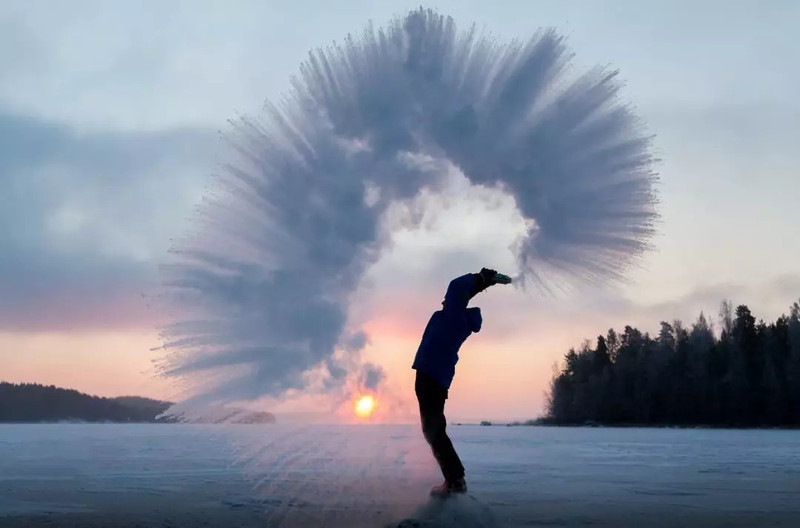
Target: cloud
{"points": [[20, 51], [372, 376], [86, 63], [768, 298], [84, 219]]}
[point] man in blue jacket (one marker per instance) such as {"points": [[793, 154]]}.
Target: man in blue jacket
{"points": [[435, 364]]}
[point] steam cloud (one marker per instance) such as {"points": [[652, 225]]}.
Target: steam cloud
{"points": [[262, 288]]}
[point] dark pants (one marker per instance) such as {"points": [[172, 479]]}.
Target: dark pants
{"points": [[431, 397]]}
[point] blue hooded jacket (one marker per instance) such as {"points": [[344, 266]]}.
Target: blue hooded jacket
{"points": [[448, 328]]}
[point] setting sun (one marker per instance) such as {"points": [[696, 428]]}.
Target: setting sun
{"points": [[365, 406]]}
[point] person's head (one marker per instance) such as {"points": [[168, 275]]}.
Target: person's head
{"points": [[459, 293]]}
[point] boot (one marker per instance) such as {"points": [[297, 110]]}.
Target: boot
{"points": [[458, 486], [446, 488]]}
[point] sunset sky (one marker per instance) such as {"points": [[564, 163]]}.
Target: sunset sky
{"points": [[109, 122]]}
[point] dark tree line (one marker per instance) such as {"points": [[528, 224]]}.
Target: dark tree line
{"points": [[40, 403], [747, 375], [30, 402]]}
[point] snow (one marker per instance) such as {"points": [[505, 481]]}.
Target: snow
{"points": [[357, 475]]}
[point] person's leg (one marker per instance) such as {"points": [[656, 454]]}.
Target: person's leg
{"points": [[431, 398], [445, 453]]}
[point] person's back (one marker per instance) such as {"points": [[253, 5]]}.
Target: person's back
{"points": [[435, 364], [448, 328]]}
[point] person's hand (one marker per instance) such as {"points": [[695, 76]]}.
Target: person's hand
{"points": [[487, 275], [491, 277]]}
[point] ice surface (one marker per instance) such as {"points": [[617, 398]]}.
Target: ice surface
{"points": [[350, 475], [457, 510]]}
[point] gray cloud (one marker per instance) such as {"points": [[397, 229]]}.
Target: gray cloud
{"points": [[262, 290], [20, 51], [372, 376], [83, 216], [767, 298], [43, 290]]}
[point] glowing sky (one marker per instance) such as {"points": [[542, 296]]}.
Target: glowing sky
{"points": [[108, 136]]}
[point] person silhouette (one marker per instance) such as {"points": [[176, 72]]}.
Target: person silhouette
{"points": [[435, 363]]}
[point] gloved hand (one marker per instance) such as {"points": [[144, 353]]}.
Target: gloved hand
{"points": [[491, 277]]}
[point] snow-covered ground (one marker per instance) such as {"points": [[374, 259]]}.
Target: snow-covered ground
{"points": [[351, 475]]}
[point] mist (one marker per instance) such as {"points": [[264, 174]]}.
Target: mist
{"points": [[259, 289]]}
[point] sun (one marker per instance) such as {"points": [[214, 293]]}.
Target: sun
{"points": [[364, 406]]}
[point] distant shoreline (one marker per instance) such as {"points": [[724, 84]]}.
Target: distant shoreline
{"points": [[459, 424], [33, 403], [534, 423], [65, 422]]}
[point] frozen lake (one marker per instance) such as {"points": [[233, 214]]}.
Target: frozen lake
{"points": [[280, 475]]}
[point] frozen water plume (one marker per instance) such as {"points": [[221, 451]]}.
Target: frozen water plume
{"points": [[259, 291]]}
